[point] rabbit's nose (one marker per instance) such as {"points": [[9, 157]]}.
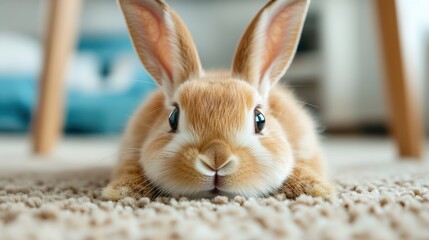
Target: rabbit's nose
{"points": [[208, 167], [218, 152]]}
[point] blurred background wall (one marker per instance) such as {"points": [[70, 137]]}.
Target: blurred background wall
{"points": [[338, 68]]}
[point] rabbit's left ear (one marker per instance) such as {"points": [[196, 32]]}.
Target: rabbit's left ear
{"points": [[162, 42], [269, 44]]}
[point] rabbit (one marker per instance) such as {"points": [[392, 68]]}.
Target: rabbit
{"points": [[204, 134]]}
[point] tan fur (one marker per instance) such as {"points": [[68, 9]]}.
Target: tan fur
{"points": [[152, 40], [282, 45], [216, 131]]}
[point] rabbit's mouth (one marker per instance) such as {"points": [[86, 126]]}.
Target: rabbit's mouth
{"points": [[210, 194], [215, 191]]}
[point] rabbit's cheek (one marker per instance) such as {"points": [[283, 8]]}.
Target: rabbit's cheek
{"points": [[265, 162]]}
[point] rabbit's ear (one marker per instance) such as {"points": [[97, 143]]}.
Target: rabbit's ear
{"points": [[269, 44], [162, 42]]}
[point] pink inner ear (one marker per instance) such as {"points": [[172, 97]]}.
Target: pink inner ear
{"points": [[155, 36], [276, 37]]}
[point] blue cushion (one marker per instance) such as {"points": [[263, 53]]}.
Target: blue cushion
{"points": [[16, 101], [103, 112]]}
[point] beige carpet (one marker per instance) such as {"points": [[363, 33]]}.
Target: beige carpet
{"points": [[378, 198]]}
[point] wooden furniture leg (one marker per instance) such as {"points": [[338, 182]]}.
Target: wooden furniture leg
{"points": [[60, 39], [405, 108]]}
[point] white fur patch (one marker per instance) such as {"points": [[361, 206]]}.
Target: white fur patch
{"points": [[275, 168], [260, 36], [306, 149], [229, 168], [173, 41], [156, 170], [202, 167]]}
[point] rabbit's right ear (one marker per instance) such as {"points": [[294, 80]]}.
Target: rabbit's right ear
{"points": [[269, 44], [162, 42]]}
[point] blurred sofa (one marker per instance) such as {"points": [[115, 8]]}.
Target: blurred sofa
{"points": [[105, 82]]}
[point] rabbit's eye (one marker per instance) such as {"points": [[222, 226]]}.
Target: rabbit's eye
{"points": [[173, 119], [259, 121]]}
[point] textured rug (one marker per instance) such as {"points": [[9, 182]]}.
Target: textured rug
{"points": [[374, 200]]}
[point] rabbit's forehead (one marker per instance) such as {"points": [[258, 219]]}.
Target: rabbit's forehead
{"points": [[217, 95], [216, 104]]}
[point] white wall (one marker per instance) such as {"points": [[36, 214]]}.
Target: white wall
{"points": [[372, 100], [341, 50], [21, 16], [354, 84]]}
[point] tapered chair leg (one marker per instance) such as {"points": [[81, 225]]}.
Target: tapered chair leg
{"points": [[59, 42], [406, 117]]}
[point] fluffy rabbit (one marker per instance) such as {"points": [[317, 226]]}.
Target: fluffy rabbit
{"points": [[218, 133]]}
